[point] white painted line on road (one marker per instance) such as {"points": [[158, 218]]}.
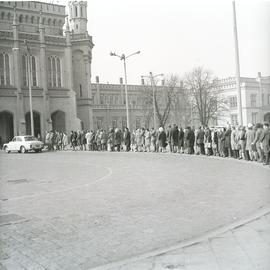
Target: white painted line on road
{"points": [[67, 189]]}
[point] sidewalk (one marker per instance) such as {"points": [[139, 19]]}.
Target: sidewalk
{"points": [[245, 246]]}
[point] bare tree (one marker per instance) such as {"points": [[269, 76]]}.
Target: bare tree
{"points": [[165, 98], [205, 96]]}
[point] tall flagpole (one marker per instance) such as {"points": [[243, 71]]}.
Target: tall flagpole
{"points": [[238, 86]]}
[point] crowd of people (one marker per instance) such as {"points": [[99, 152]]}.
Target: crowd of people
{"points": [[251, 143]]}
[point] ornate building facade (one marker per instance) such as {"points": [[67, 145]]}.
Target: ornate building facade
{"points": [[59, 63]]}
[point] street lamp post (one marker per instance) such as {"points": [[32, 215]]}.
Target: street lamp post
{"points": [[124, 57], [30, 87], [153, 85]]}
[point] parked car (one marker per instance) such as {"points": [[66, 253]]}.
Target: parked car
{"points": [[23, 144]]}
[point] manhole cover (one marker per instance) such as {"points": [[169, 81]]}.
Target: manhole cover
{"points": [[19, 181], [6, 219]]}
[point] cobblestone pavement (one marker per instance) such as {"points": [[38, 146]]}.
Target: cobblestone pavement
{"points": [[81, 210], [244, 248]]}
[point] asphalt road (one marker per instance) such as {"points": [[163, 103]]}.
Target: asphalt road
{"points": [[77, 210]]}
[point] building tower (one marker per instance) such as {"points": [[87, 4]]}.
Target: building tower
{"points": [[78, 16]]}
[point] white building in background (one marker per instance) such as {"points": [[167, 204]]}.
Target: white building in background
{"points": [[255, 94]]}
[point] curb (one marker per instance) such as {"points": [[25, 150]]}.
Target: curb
{"points": [[185, 243]]}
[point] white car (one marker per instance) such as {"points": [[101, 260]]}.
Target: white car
{"points": [[23, 144]]}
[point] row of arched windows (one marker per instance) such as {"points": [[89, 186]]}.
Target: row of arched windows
{"points": [[32, 19], [53, 67]]}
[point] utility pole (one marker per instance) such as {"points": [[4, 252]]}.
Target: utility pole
{"points": [[30, 87], [237, 63], [153, 86]]}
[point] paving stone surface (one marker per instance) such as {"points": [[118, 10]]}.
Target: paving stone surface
{"points": [[83, 210], [244, 248]]}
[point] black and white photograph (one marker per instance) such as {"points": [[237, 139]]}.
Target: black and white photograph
{"points": [[134, 135]]}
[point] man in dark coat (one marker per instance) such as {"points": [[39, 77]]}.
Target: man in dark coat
{"points": [[118, 139], [174, 138], [181, 140], [127, 139], [200, 141], [227, 142], [168, 136]]}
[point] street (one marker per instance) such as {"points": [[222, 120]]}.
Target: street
{"points": [[78, 210]]}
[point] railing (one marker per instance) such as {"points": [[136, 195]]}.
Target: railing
{"points": [[81, 36]]}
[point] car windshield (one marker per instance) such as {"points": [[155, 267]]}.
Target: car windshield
{"points": [[30, 138]]}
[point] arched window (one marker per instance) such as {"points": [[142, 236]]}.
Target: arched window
{"points": [[32, 19], [2, 15], [8, 16], [33, 70], [26, 19], [4, 69], [49, 21], [76, 12], [54, 71], [21, 18], [54, 22], [81, 12]]}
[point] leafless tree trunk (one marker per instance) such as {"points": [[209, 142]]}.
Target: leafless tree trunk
{"points": [[165, 97], [205, 96]]}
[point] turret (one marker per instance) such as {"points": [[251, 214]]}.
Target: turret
{"points": [[78, 16]]}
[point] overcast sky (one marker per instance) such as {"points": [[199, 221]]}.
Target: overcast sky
{"points": [[176, 35]]}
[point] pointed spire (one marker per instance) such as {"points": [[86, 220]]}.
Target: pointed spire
{"points": [[40, 18], [15, 16], [67, 25]]}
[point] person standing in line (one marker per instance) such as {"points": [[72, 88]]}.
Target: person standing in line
{"points": [[87, 137], [118, 139], [250, 136], [242, 143], [127, 139], [147, 140], [65, 140], [200, 141], [227, 142], [110, 141], [234, 143], [174, 138], [207, 141], [265, 143], [153, 135], [168, 137], [257, 142], [181, 141], [162, 140], [103, 140]]}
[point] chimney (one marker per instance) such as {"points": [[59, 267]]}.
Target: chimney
{"points": [[97, 79], [121, 80], [163, 82], [259, 74], [142, 80]]}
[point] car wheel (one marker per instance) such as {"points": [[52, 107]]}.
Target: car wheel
{"points": [[6, 149], [23, 150]]}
